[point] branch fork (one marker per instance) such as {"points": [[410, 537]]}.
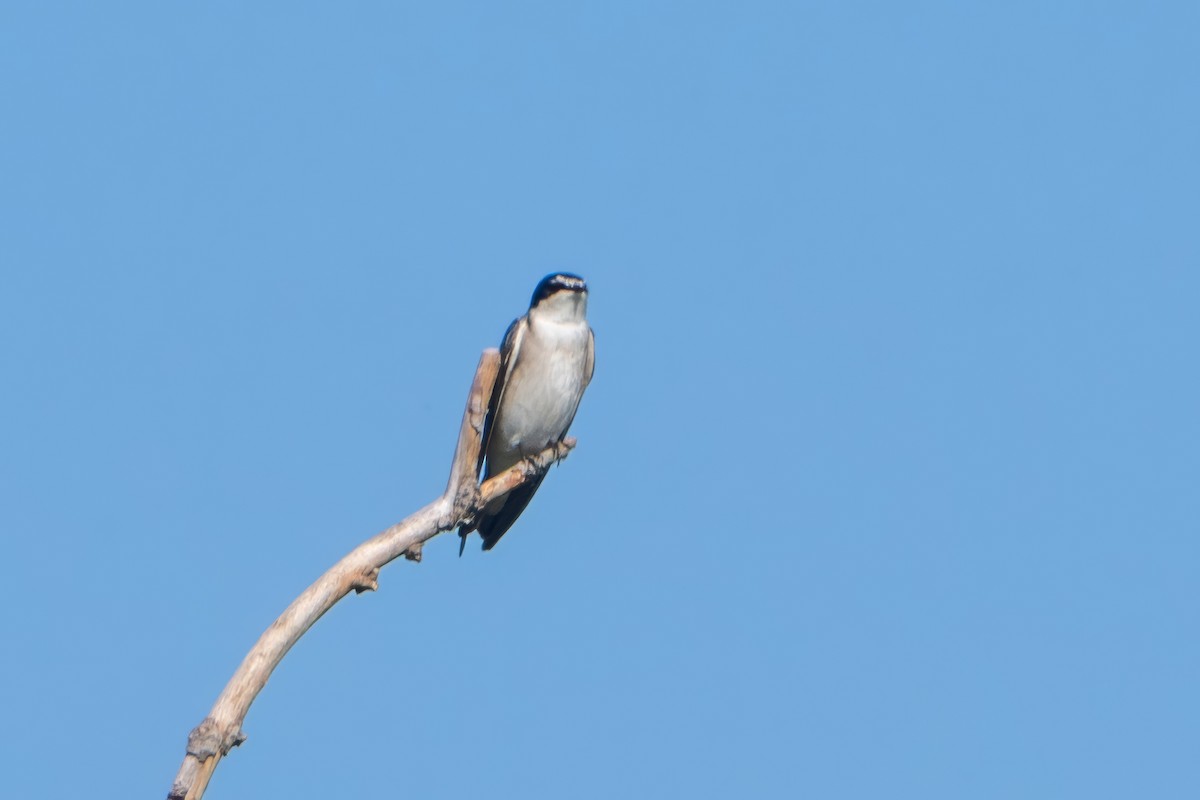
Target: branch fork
{"points": [[358, 572]]}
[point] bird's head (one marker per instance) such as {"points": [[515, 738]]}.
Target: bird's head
{"points": [[560, 296]]}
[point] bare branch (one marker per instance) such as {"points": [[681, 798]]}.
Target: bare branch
{"points": [[358, 571]]}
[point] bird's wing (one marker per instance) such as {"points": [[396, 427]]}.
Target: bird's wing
{"points": [[493, 526], [590, 366], [509, 351]]}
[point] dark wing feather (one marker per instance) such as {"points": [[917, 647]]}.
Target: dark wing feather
{"points": [[508, 357], [491, 528]]}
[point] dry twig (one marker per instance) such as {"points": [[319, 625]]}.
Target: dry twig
{"points": [[358, 571]]}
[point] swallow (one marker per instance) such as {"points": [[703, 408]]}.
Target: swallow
{"points": [[546, 363]]}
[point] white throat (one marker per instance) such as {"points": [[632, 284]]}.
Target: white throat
{"points": [[561, 307]]}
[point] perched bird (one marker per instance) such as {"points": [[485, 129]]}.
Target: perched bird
{"points": [[546, 362]]}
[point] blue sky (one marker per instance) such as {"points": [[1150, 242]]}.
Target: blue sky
{"points": [[886, 483]]}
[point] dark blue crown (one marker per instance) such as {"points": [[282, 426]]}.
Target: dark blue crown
{"points": [[557, 282]]}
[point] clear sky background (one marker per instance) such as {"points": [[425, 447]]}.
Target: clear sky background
{"points": [[886, 484]]}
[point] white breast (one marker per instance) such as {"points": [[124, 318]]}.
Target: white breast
{"points": [[542, 392]]}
